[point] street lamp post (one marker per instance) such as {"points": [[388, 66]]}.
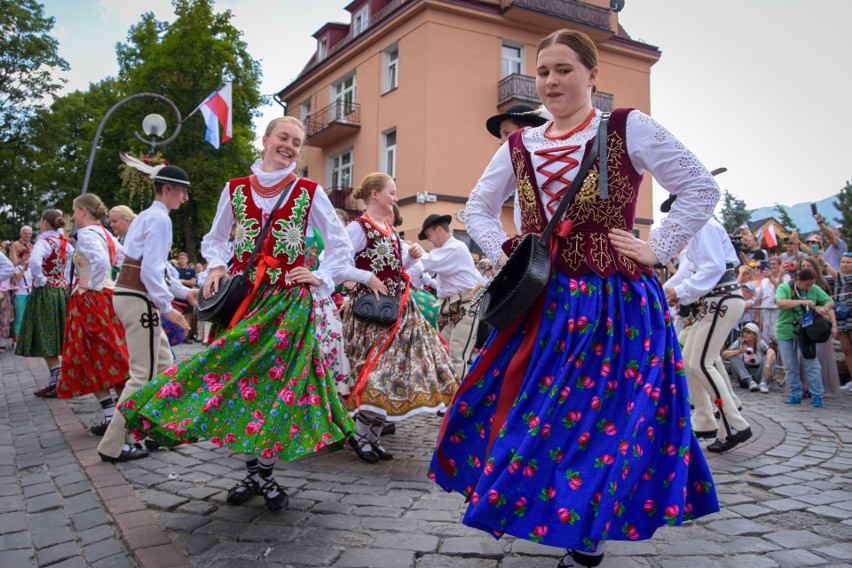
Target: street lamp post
{"points": [[153, 125]]}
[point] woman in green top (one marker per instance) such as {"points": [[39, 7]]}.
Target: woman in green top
{"points": [[797, 301]]}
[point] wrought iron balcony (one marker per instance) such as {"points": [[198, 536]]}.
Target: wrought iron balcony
{"points": [[334, 122], [573, 11], [602, 101], [341, 198]]}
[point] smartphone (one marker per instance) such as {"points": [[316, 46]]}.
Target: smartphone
{"points": [[764, 265], [813, 209], [814, 248]]}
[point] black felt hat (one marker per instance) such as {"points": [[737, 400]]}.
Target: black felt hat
{"points": [[171, 174], [519, 112], [433, 219]]}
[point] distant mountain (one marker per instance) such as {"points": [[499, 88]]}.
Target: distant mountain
{"points": [[801, 213]]}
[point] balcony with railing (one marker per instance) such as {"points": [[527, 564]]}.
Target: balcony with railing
{"points": [[518, 88], [341, 198], [573, 11], [333, 123]]}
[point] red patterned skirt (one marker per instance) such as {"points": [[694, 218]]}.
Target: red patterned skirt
{"points": [[94, 353]]}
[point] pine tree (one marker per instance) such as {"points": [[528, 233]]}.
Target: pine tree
{"points": [[844, 207], [734, 213], [784, 218]]}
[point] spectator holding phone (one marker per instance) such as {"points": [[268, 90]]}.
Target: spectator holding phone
{"points": [[836, 246], [792, 252]]}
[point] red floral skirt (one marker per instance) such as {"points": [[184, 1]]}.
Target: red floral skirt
{"points": [[94, 353]]}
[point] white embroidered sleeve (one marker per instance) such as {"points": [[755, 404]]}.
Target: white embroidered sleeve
{"points": [[92, 246], [651, 147], [7, 269], [338, 263], [40, 250], [482, 214], [155, 257], [214, 246], [359, 243]]}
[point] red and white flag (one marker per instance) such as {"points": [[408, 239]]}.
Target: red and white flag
{"points": [[217, 108], [770, 237]]}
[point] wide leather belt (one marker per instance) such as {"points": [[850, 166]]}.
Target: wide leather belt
{"points": [[131, 275]]}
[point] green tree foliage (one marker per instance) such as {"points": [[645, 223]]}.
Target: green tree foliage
{"points": [[844, 207], [784, 218], [29, 67], [185, 61], [733, 213]]}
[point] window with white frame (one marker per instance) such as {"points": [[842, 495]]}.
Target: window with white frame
{"points": [[322, 49], [306, 112], [388, 153], [341, 170], [344, 99], [390, 76], [513, 59], [361, 20]]}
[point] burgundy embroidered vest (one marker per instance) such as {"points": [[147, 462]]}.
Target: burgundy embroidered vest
{"points": [[586, 248], [285, 239], [382, 257], [53, 265]]}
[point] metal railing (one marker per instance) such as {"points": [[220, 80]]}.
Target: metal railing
{"points": [[571, 10], [341, 198], [602, 101], [338, 112], [516, 86]]}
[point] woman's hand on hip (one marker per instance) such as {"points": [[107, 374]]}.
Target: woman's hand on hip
{"points": [[633, 248]]}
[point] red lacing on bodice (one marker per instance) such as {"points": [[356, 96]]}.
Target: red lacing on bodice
{"points": [[557, 155]]}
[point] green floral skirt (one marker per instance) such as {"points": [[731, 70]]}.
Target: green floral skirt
{"points": [[261, 388], [43, 328]]}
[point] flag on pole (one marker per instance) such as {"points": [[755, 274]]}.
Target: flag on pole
{"points": [[771, 237], [217, 108]]}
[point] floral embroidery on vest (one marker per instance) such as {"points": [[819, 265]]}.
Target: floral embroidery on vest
{"points": [[247, 228], [290, 233], [381, 257]]}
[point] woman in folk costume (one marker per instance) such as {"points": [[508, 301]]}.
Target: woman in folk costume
{"points": [[402, 369], [572, 427], [44, 319], [94, 353], [261, 387]]}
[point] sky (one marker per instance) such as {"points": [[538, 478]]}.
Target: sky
{"points": [[757, 86]]}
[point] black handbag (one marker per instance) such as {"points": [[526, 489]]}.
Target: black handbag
{"points": [[221, 306], [521, 280], [820, 329], [383, 311]]}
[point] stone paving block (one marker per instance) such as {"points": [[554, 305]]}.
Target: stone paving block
{"points": [[80, 503], [273, 534], [739, 527], [750, 560], [12, 503], [90, 519], [772, 470], [391, 501], [841, 551], [830, 512], [750, 511], [196, 544], [336, 538], [729, 499], [305, 555], [796, 539], [16, 541], [419, 543], [13, 522], [196, 508], [796, 558], [331, 507], [102, 549], [691, 547], [18, 558], [164, 556], [749, 545], [236, 514], [57, 553], [181, 522], [52, 536], [792, 490], [340, 522], [161, 500], [372, 558], [784, 505], [115, 561], [222, 529], [31, 491], [442, 561], [44, 503], [95, 534], [483, 547], [427, 515], [199, 493], [691, 561], [76, 562], [75, 488]]}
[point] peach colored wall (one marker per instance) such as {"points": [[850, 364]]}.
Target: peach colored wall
{"points": [[449, 68]]}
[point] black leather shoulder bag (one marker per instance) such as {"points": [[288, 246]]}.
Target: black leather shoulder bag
{"points": [[220, 307], [513, 290]]}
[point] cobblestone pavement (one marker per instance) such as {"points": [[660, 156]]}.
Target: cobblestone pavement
{"points": [[786, 498]]}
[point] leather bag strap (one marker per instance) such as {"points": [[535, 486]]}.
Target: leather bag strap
{"points": [[599, 150], [266, 223]]}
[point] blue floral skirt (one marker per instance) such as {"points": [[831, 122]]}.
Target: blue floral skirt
{"points": [[591, 437]]}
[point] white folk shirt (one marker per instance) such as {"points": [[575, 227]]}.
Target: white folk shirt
{"points": [[359, 241], [149, 238], [453, 268], [708, 253], [7, 269], [649, 146], [41, 250], [338, 261], [92, 245]]}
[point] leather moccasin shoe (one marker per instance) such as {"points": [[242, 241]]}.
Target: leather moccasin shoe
{"points": [[732, 441], [134, 453]]}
